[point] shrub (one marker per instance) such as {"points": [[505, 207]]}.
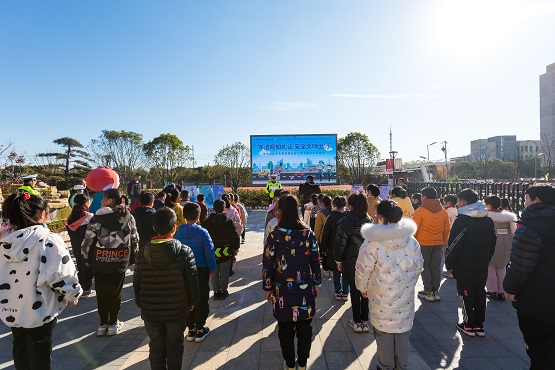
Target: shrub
{"points": [[57, 226]]}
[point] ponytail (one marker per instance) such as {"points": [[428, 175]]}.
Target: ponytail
{"points": [[21, 209]]}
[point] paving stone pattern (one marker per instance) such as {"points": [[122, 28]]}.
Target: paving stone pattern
{"points": [[244, 332]]}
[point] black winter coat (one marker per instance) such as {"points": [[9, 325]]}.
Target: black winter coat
{"points": [[306, 190], [470, 248], [165, 280], [143, 219], [531, 272], [347, 242], [328, 238], [225, 238]]}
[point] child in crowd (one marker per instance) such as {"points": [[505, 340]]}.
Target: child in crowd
{"points": [[450, 205], [432, 223], [347, 244], [144, 215], [243, 213], [471, 246], [399, 195], [38, 279], [505, 227], [416, 200], [315, 209], [373, 199], [291, 277], [387, 269], [165, 307], [76, 225], [308, 208], [203, 208], [198, 239], [226, 243], [184, 197], [172, 201], [160, 200], [112, 229], [340, 281]]}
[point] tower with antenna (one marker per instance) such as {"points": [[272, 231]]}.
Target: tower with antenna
{"points": [[390, 139]]}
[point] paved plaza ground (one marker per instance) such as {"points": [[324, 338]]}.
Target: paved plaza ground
{"points": [[244, 332]]}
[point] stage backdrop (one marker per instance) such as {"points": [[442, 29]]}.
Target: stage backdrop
{"points": [[293, 157]]}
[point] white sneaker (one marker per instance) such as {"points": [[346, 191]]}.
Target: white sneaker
{"points": [[101, 331], [357, 327], [365, 327], [115, 329], [345, 297]]}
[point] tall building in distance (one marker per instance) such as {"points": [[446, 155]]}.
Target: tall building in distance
{"points": [[547, 103]]}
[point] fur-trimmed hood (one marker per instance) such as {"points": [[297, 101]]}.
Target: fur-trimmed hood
{"points": [[502, 216], [392, 236]]}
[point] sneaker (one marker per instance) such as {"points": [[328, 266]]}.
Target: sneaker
{"points": [[365, 327], [87, 293], [345, 296], [466, 329], [429, 296], [224, 294], [243, 241], [491, 296], [501, 296], [217, 295], [339, 296], [447, 274], [102, 330], [191, 335], [479, 330], [357, 327], [115, 329], [436, 296], [201, 334]]}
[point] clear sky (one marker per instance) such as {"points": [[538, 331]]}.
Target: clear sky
{"points": [[215, 72]]}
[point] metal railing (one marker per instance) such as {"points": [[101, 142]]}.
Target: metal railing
{"points": [[513, 191]]}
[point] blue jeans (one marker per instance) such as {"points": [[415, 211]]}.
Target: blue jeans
{"points": [[340, 282]]}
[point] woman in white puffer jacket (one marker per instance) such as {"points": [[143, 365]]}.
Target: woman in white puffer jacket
{"points": [[387, 269]]}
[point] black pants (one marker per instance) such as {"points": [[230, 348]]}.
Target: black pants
{"points": [[166, 344], [473, 301], [359, 305], [243, 233], [286, 335], [84, 273], [32, 347], [540, 341], [198, 316], [108, 295]]}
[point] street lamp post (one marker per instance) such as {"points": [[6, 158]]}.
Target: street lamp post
{"points": [[536, 165], [393, 153], [428, 149]]}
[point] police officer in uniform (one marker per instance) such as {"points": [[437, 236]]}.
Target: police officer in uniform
{"points": [[29, 183], [271, 187]]}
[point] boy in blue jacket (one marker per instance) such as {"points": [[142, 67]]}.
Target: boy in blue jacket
{"points": [[198, 239]]}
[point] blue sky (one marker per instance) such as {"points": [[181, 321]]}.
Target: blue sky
{"points": [[215, 72]]}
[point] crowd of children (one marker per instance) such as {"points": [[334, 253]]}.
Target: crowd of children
{"points": [[376, 250]]}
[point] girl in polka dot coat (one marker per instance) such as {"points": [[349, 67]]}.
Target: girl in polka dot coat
{"points": [[37, 279], [387, 269]]}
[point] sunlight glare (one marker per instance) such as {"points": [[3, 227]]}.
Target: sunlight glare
{"points": [[473, 28]]}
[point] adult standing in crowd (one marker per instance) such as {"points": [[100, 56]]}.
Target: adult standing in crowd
{"points": [[271, 187], [29, 183], [530, 279], [306, 190], [134, 189]]}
